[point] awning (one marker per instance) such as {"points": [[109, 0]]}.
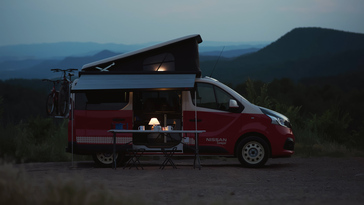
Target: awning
{"points": [[134, 82]]}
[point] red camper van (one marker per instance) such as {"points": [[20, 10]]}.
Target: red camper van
{"points": [[164, 82]]}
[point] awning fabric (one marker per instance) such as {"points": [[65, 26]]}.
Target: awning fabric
{"points": [[134, 82]]}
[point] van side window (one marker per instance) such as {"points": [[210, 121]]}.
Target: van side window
{"points": [[206, 96], [101, 100], [213, 97], [160, 62], [222, 99]]}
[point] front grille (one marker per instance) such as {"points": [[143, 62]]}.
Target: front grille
{"points": [[289, 144]]}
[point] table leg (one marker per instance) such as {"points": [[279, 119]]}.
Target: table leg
{"points": [[197, 154], [114, 148]]}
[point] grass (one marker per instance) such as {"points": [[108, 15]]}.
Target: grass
{"points": [[38, 140], [326, 149], [17, 188], [311, 144]]}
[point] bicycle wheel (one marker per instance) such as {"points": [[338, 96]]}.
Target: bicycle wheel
{"points": [[50, 104], [63, 101]]}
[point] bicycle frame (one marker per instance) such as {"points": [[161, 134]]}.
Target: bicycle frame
{"points": [[63, 98], [52, 100]]}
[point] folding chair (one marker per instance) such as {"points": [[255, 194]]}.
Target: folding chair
{"points": [[168, 154], [134, 159]]}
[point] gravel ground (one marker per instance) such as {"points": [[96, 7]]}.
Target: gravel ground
{"points": [[223, 181]]}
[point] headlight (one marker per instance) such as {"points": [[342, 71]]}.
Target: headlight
{"points": [[280, 121], [277, 118]]}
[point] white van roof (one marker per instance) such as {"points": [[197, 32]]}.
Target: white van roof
{"points": [[175, 56], [170, 65]]}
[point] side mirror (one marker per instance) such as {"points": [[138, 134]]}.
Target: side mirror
{"points": [[233, 104]]}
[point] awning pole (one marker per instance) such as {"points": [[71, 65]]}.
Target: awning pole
{"points": [[71, 104], [197, 154], [196, 111]]}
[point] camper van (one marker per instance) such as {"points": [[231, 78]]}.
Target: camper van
{"points": [[165, 82]]}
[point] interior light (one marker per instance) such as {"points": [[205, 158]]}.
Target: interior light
{"points": [[162, 69], [153, 121]]}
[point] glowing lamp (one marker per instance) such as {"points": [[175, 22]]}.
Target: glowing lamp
{"points": [[153, 121]]}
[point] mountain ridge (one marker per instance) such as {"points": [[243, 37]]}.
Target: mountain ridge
{"points": [[300, 53], [312, 42], [61, 50]]}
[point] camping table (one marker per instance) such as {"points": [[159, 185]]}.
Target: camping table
{"points": [[197, 155]]}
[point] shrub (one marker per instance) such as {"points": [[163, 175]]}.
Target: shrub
{"points": [[39, 140], [317, 133]]}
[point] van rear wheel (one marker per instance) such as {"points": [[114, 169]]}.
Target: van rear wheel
{"points": [[104, 159], [253, 152]]}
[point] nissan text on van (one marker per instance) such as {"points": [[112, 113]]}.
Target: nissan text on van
{"points": [[164, 82]]}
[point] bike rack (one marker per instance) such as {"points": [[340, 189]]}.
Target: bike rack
{"points": [[66, 72]]}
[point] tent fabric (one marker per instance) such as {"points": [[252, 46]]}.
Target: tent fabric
{"points": [[134, 82], [176, 56]]}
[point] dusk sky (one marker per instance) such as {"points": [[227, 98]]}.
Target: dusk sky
{"points": [[142, 21]]}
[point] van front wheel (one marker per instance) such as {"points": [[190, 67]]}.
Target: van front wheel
{"points": [[253, 152]]}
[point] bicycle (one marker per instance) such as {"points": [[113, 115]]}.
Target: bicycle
{"points": [[64, 91], [52, 98]]}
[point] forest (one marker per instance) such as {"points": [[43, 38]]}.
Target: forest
{"points": [[326, 117]]}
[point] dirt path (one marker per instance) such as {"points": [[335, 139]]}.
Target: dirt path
{"points": [[224, 181]]}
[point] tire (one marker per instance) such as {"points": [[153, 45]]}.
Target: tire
{"points": [[253, 152], [63, 101], [103, 159], [50, 104]]}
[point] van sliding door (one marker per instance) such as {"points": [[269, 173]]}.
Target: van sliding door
{"points": [[96, 112]]}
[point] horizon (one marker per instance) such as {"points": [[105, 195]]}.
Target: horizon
{"points": [[221, 43], [77, 49]]}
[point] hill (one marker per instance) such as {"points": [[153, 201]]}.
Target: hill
{"points": [[301, 43], [226, 54], [29, 69], [301, 53], [59, 50]]}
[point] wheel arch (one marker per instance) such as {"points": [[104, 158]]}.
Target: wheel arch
{"points": [[256, 134]]}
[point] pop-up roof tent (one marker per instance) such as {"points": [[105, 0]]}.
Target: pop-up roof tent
{"points": [[170, 65]]}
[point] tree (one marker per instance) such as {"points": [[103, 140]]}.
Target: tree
{"points": [[258, 94], [1, 107]]}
